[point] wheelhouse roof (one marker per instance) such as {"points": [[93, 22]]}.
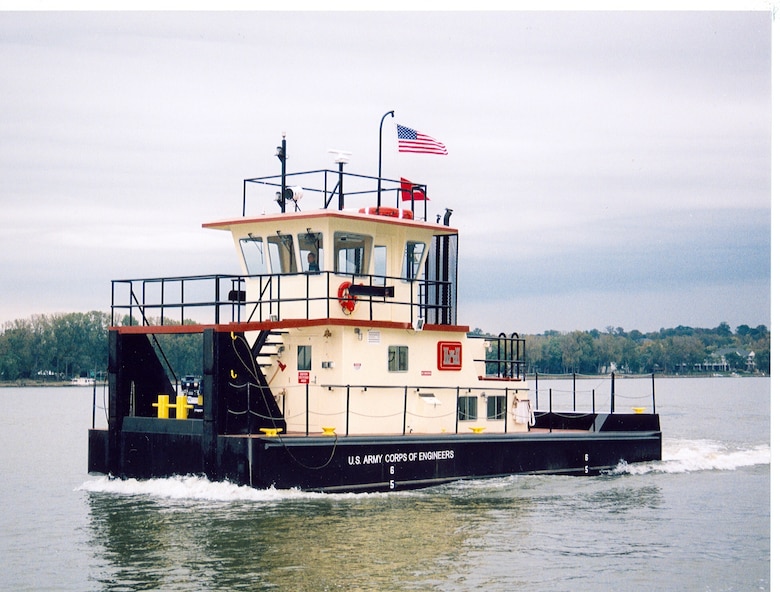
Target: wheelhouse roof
{"points": [[297, 217]]}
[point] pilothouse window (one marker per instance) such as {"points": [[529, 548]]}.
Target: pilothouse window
{"points": [[351, 253], [413, 259], [254, 255], [310, 245], [380, 265], [282, 253]]}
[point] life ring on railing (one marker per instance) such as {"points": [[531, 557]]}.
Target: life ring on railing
{"points": [[389, 212], [346, 300]]}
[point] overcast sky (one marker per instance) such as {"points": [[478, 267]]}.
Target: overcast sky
{"points": [[604, 168]]}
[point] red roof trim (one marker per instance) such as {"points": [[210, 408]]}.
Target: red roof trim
{"points": [[225, 224]]}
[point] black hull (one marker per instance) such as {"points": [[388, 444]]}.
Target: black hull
{"points": [[162, 448]]}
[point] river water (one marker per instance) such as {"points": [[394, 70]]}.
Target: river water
{"points": [[698, 520]]}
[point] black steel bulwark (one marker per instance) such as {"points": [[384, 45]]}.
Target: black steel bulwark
{"points": [[357, 464], [407, 462], [137, 443], [210, 411], [597, 422]]}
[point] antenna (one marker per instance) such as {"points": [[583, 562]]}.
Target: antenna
{"points": [[342, 156]]}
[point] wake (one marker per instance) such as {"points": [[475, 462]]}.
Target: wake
{"points": [[688, 456], [198, 488]]}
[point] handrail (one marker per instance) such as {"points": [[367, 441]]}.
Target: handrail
{"points": [[150, 301], [405, 390], [510, 358], [459, 393], [336, 180], [603, 377]]}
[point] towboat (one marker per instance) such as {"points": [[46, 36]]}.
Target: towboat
{"points": [[82, 381], [336, 362]]}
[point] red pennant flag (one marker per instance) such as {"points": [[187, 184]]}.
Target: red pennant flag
{"points": [[408, 192]]}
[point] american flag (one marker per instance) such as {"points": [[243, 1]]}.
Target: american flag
{"points": [[410, 140]]}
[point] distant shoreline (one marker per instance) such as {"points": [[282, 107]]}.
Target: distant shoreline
{"points": [[101, 384], [44, 383]]}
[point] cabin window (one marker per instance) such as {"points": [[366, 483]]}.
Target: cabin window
{"points": [[380, 265], [310, 246], [496, 407], [282, 253], [467, 408], [254, 255], [351, 253], [413, 259], [397, 358], [304, 357]]}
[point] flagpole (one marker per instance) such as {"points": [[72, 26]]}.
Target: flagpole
{"points": [[379, 174]]}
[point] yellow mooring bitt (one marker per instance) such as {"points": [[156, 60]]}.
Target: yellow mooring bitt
{"points": [[163, 407]]}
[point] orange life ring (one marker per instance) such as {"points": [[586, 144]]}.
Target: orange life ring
{"points": [[389, 212], [346, 300]]}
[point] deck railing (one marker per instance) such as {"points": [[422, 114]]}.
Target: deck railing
{"points": [[456, 410], [448, 411], [334, 188], [219, 299], [640, 395], [547, 408], [505, 356]]}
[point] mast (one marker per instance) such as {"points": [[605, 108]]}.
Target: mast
{"points": [[281, 153]]}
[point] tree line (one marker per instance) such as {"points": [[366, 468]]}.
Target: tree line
{"points": [[62, 346], [680, 351]]}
